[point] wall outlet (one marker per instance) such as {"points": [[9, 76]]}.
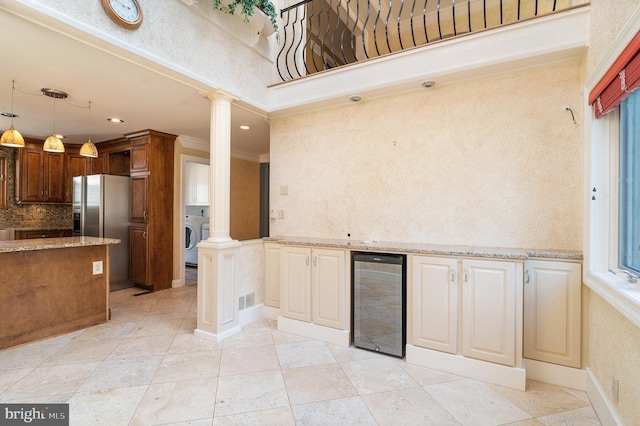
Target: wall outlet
{"points": [[615, 389], [97, 267], [280, 214]]}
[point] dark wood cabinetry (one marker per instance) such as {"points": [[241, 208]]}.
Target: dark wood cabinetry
{"points": [[40, 175], [151, 171], [22, 234]]}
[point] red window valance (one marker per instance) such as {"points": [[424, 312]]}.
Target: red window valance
{"points": [[619, 81]]}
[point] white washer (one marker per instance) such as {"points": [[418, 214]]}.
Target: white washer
{"points": [[205, 231], [192, 236]]}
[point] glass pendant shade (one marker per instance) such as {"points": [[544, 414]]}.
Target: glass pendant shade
{"points": [[89, 150], [53, 144], [12, 138]]}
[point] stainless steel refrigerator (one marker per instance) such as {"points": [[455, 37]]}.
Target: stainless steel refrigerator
{"points": [[101, 209]]}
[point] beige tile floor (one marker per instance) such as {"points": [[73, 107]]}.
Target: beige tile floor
{"points": [[145, 367]]}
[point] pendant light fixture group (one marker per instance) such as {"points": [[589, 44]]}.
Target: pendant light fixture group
{"points": [[12, 137]]}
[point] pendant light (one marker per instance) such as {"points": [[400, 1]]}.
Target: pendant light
{"points": [[88, 149], [53, 143], [12, 137]]}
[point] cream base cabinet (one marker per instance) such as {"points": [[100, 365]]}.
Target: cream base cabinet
{"points": [[272, 274], [552, 312], [314, 286], [329, 288], [435, 303], [489, 300], [295, 299]]}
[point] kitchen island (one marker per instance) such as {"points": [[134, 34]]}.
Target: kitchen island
{"points": [[52, 286]]}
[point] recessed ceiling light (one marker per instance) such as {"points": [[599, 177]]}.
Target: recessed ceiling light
{"points": [[60, 136], [355, 98], [428, 83], [115, 120], [245, 127], [8, 114]]}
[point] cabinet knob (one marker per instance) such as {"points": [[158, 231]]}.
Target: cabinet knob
{"points": [[527, 278], [146, 163], [144, 235], [315, 260], [144, 214]]}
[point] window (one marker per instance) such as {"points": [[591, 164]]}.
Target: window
{"points": [[629, 184]]}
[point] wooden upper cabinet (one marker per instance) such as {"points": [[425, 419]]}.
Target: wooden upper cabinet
{"points": [[54, 177], [77, 165], [29, 175], [100, 165], [139, 156]]}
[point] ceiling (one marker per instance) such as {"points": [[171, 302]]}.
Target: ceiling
{"points": [[144, 98]]}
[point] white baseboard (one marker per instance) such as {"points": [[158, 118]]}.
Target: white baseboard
{"points": [[601, 404], [177, 283], [560, 375], [270, 312], [217, 337], [314, 331], [249, 315], [457, 364]]}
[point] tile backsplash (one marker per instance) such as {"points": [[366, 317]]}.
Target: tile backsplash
{"points": [[45, 216]]}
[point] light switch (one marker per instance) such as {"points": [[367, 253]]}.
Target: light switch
{"points": [[97, 267]]}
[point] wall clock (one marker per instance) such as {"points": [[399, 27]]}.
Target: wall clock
{"points": [[126, 13]]}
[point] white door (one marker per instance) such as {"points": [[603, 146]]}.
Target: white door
{"points": [[329, 288], [489, 311], [552, 312], [435, 303], [296, 283]]}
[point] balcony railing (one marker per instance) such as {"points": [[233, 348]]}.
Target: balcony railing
{"points": [[319, 35]]}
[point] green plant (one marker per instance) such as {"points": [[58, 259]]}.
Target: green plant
{"points": [[247, 8]]}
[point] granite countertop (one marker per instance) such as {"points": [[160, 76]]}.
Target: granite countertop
{"points": [[433, 249], [53, 243]]}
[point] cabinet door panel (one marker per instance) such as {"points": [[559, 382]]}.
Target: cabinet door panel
{"points": [[296, 283], [31, 175], [488, 317], [435, 303], [55, 177], [139, 255], [272, 274], [328, 286], [139, 158], [552, 312], [77, 165], [139, 198]]}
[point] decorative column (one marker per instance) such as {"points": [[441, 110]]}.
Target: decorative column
{"points": [[217, 256]]}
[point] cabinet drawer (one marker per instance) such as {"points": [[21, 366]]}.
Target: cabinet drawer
{"points": [[44, 233]]}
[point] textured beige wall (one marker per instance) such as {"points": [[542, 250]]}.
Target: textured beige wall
{"points": [[244, 220], [613, 341], [614, 350], [493, 161]]}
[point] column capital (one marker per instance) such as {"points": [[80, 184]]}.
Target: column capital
{"points": [[216, 94]]}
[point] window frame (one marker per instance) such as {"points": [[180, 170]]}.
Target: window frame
{"points": [[601, 164]]}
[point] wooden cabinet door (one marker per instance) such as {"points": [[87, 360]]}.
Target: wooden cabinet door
{"points": [[296, 283], [100, 165], [139, 255], [4, 167], [328, 285], [55, 177], [139, 198], [272, 271], [139, 158], [435, 303], [552, 312], [77, 165], [489, 311], [31, 185]]}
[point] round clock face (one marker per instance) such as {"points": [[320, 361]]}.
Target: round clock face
{"points": [[125, 12]]}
